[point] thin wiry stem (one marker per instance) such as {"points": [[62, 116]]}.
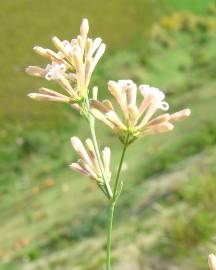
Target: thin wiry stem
{"points": [[116, 186], [91, 121], [109, 236], [112, 207]]}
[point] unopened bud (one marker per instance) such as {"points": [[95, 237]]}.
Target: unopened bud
{"points": [[42, 97], [35, 71], [41, 51], [181, 115], [84, 28]]}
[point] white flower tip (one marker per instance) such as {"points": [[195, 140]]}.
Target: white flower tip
{"points": [[212, 261], [126, 83], [107, 152], [187, 112], [144, 88], [32, 95], [168, 126], [71, 165], [181, 115], [98, 40], [35, 71], [55, 39], [30, 70], [77, 144], [88, 141], [84, 28], [111, 84], [147, 90], [38, 49], [102, 48], [164, 127], [74, 140], [27, 69], [74, 165], [95, 92]]}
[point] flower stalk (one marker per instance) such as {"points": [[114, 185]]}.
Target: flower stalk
{"points": [[109, 235], [116, 194]]}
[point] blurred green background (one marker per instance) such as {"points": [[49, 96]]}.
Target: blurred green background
{"points": [[52, 218]]}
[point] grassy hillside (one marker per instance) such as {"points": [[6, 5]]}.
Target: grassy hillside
{"points": [[51, 218]]}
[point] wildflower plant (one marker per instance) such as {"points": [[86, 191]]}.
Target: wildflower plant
{"points": [[72, 67]]}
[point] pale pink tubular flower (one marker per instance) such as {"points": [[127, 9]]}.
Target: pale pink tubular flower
{"points": [[212, 261], [138, 120], [83, 54], [88, 163], [71, 66]]}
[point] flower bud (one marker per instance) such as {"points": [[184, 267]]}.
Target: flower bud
{"points": [[92, 154], [95, 45], [79, 148], [98, 55], [42, 97], [159, 128], [59, 45], [181, 115], [161, 118], [115, 90], [76, 167], [35, 71], [41, 51], [84, 28]]}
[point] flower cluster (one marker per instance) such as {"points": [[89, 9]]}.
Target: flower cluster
{"points": [[72, 66], [137, 120], [88, 163]]}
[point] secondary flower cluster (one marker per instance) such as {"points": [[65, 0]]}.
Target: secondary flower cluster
{"points": [[88, 163], [71, 66], [137, 119]]}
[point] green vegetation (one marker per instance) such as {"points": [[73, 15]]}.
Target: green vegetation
{"points": [[52, 218]]}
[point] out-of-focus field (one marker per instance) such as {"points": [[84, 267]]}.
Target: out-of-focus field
{"points": [[52, 218]]}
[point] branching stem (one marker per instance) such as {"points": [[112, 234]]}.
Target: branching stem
{"points": [[113, 197]]}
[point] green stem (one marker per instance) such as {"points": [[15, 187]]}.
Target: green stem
{"points": [[109, 236], [112, 207], [91, 121], [116, 186], [94, 140]]}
